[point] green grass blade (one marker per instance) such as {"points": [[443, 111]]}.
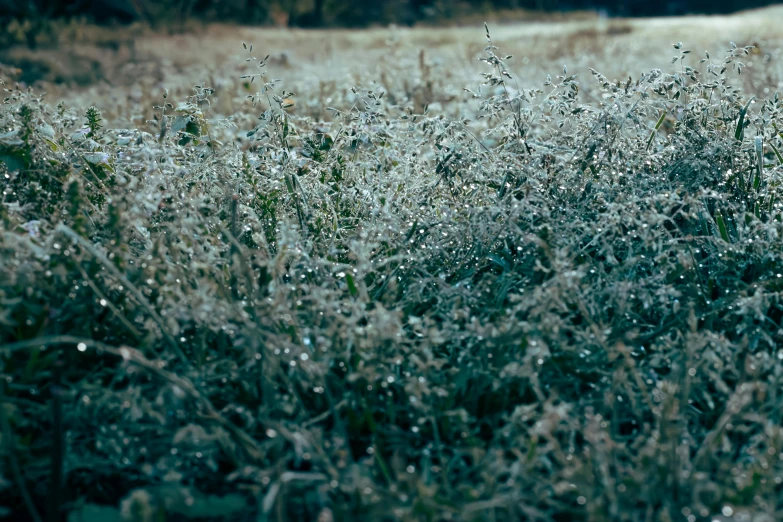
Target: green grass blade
{"points": [[739, 132], [724, 233], [657, 126], [777, 153], [758, 144], [351, 285]]}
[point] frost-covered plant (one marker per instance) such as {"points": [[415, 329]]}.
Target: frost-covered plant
{"points": [[562, 304]]}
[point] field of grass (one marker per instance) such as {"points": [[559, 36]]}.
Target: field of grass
{"points": [[525, 272]]}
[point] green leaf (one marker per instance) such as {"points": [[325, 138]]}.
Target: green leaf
{"points": [[193, 128], [724, 233], [758, 144], [740, 130], [179, 123], [351, 285], [52, 145], [777, 153], [502, 263]]}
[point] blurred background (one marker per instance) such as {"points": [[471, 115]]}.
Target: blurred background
{"points": [[344, 13], [119, 54]]}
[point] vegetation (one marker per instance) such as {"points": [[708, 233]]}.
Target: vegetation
{"points": [[399, 301]]}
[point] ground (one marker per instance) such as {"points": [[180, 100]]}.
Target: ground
{"points": [[114, 69]]}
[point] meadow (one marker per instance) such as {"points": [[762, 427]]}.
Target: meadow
{"points": [[523, 271]]}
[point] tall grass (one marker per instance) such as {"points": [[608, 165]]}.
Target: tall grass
{"points": [[553, 303]]}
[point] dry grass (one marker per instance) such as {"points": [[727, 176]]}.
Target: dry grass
{"points": [[121, 62]]}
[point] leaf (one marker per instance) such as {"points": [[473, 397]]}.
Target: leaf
{"points": [[724, 233], [46, 130], [11, 139], [269, 499], [193, 131], [758, 144], [657, 126], [777, 153], [179, 123], [97, 158], [499, 261], [351, 285], [52, 145], [740, 131]]}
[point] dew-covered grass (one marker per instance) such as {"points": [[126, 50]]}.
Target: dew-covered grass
{"points": [[387, 281]]}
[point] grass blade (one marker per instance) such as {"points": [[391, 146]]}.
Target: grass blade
{"points": [[657, 126], [777, 153], [739, 133], [758, 144], [724, 233]]}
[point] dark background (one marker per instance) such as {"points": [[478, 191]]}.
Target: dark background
{"points": [[340, 13]]}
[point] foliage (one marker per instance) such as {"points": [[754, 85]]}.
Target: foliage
{"points": [[561, 304]]}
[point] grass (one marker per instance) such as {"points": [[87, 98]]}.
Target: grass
{"points": [[431, 289]]}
